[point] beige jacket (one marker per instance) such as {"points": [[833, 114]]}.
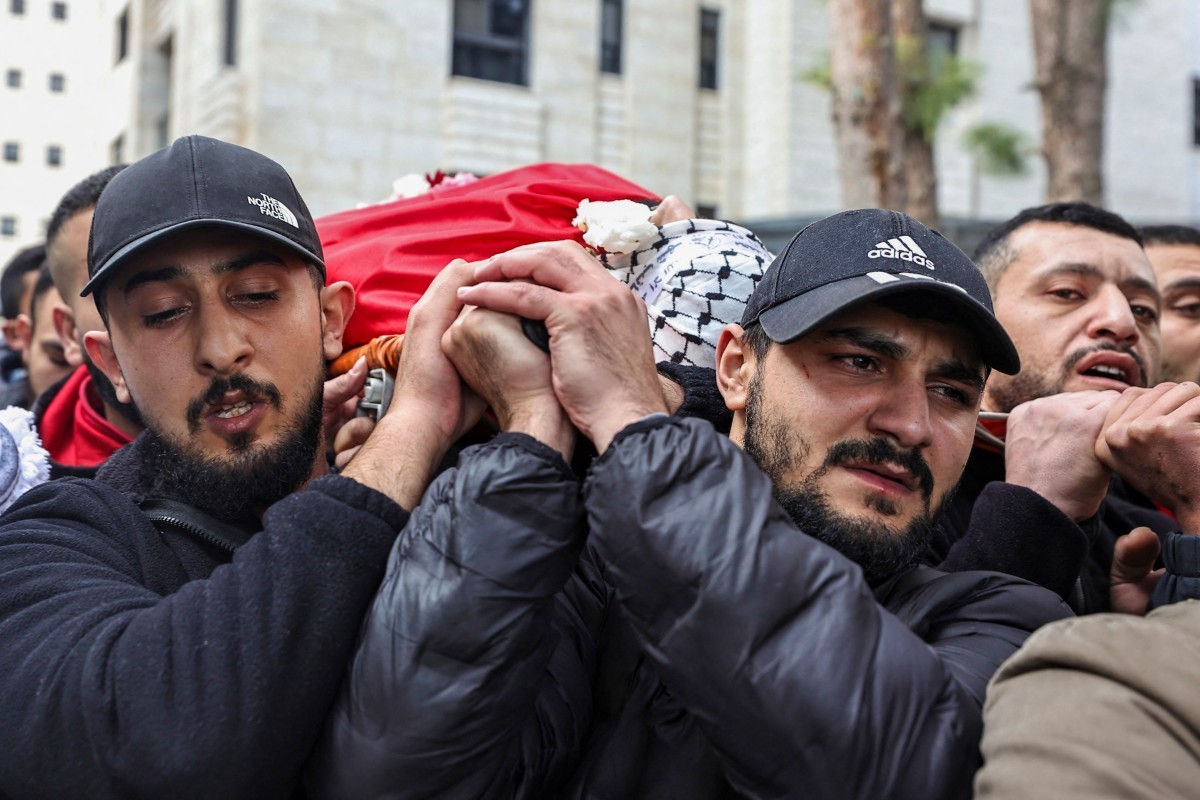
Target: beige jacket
{"points": [[1106, 706]]}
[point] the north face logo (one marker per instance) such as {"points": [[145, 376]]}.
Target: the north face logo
{"points": [[903, 248], [273, 208]]}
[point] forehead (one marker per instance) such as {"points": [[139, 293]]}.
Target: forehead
{"points": [[1043, 247], [1174, 260]]}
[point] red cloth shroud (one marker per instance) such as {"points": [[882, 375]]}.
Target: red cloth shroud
{"points": [[390, 252]]}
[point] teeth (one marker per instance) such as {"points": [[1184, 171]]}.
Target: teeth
{"points": [[235, 410], [1109, 372]]}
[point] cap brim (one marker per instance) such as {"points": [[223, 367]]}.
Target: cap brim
{"points": [[116, 259], [794, 318]]}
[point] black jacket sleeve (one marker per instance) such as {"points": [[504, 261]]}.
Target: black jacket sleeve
{"points": [[1181, 557], [117, 684], [473, 674], [1016, 531], [802, 682]]}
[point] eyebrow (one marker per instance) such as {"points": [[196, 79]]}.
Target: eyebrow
{"points": [[952, 369], [1181, 285], [1132, 283], [171, 272]]}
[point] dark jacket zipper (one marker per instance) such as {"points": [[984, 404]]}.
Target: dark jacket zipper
{"points": [[194, 530]]}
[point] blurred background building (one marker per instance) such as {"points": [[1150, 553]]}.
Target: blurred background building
{"points": [[712, 100]]}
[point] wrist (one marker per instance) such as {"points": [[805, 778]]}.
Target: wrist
{"points": [[605, 430], [550, 425]]}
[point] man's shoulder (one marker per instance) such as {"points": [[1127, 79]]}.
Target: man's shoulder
{"points": [[924, 596]]}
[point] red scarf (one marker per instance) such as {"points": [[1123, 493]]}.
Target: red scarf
{"points": [[73, 427]]}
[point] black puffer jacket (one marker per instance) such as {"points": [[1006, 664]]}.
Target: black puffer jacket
{"points": [[702, 647], [136, 665], [990, 524]]}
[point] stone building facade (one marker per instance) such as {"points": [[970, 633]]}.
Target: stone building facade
{"points": [[706, 99]]}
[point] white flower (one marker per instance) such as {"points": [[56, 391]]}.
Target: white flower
{"points": [[615, 226]]}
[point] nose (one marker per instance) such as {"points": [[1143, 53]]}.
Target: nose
{"points": [[222, 346], [902, 414], [1112, 318]]}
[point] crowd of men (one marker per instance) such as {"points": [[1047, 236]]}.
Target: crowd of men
{"points": [[861, 555]]}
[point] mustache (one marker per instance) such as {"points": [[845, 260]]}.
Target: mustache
{"points": [[881, 451], [255, 391], [1084, 352]]}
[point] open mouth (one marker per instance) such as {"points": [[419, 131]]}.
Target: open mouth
{"points": [[1112, 366], [233, 410]]}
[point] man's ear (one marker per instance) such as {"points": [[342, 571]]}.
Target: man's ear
{"points": [[64, 324], [735, 367], [17, 332], [337, 304], [99, 347]]}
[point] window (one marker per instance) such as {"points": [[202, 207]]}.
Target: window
{"points": [[17, 7], [122, 36], [116, 150], [8, 226], [611, 13], [12, 151], [706, 211], [710, 25], [229, 43], [1196, 111], [942, 39], [491, 40], [58, 10], [58, 82], [54, 155], [13, 79]]}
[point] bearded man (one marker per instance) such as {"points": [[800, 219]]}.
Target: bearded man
{"points": [[747, 617], [178, 626]]}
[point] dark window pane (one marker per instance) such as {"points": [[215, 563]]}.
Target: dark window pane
{"points": [[8, 226], [122, 36], [611, 13], [13, 79], [1196, 111], [942, 39], [57, 82], [17, 6], [54, 156], [710, 23], [491, 40], [58, 10], [12, 151], [229, 50]]}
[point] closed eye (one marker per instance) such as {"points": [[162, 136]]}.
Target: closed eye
{"points": [[162, 318]]}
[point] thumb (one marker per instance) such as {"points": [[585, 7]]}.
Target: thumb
{"points": [[345, 386], [1134, 555]]}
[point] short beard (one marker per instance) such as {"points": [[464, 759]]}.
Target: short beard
{"points": [[108, 395], [242, 484], [881, 551], [1026, 386]]}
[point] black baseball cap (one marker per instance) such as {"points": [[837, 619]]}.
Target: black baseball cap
{"points": [[197, 182], [862, 255]]}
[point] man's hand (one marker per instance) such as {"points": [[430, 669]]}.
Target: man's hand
{"points": [[1133, 576], [498, 361], [1152, 440], [602, 361], [430, 407], [340, 400], [1051, 448]]}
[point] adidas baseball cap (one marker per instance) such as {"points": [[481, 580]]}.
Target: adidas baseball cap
{"points": [[862, 255], [197, 182]]}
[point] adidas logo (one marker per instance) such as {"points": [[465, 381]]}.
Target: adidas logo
{"points": [[273, 208], [903, 248]]}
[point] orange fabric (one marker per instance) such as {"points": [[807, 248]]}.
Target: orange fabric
{"points": [[382, 351]]}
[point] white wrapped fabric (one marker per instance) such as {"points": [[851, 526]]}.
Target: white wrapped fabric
{"points": [[695, 276]]}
